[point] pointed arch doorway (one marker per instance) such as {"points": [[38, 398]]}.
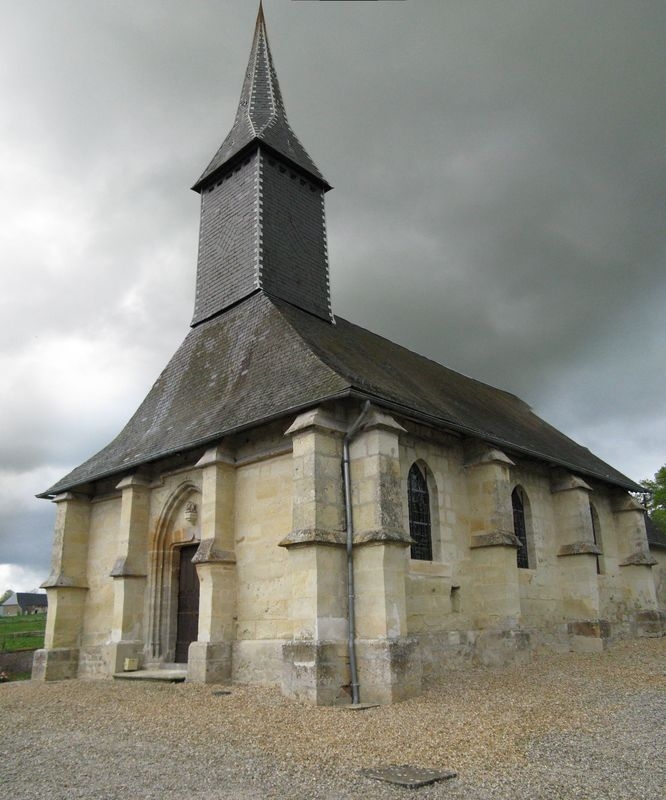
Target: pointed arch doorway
{"points": [[187, 614], [173, 604]]}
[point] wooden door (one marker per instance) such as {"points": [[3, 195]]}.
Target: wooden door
{"points": [[188, 603]]}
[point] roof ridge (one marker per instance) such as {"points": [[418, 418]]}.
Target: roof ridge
{"points": [[438, 364], [372, 364]]}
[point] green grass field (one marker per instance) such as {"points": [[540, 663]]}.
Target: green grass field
{"points": [[22, 633]]}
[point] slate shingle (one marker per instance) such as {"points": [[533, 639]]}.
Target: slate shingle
{"points": [[265, 359], [227, 266], [249, 358], [294, 257], [261, 115], [262, 206]]}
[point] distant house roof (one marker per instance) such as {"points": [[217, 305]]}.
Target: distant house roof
{"points": [[31, 600], [12, 600], [264, 359], [656, 538]]}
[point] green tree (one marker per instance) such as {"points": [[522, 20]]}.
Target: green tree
{"points": [[5, 595], [655, 502]]}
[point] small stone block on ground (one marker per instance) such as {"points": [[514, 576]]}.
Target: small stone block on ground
{"points": [[159, 675], [408, 776]]}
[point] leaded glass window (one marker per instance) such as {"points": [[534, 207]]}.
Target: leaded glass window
{"points": [[596, 533], [520, 529], [419, 514]]}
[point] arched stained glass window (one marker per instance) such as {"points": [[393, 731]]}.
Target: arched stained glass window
{"points": [[520, 528], [419, 514]]}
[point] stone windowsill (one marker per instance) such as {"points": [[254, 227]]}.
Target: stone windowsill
{"points": [[429, 569], [305, 536], [494, 539], [579, 548], [639, 560]]}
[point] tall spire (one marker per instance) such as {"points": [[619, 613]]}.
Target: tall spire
{"points": [[263, 226], [261, 115]]}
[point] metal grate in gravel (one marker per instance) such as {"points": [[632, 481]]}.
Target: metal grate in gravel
{"points": [[408, 776]]}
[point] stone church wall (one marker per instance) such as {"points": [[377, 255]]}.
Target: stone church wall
{"points": [[102, 548], [559, 602], [539, 586], [267, 512], [436, 600], [659, 574], [262, 519]]}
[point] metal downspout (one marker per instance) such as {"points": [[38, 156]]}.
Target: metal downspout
{"points": [[351, 615]]}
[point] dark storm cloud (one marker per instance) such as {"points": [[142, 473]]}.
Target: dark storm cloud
{"points": [[500, 180]]}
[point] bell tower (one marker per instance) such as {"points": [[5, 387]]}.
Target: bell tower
{"points": [[262, 206]]}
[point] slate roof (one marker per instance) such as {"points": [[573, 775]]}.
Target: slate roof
{"points": [[265, 359], [261, 115], [34, 599], [12, 600], [26, 600]]}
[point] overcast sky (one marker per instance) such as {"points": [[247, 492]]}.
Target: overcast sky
{"points": [[500, 174]]}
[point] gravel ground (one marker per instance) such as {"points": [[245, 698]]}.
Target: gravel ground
{"points": [[571, 726]]}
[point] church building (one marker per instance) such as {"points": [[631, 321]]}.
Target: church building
{"points": [[301, 502]]}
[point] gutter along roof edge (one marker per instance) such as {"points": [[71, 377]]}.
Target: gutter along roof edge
{"points": [[360, 394], [66, 487], [442, 423]]}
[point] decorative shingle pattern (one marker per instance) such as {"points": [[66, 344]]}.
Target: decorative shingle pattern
{"points": [[264, 359], [262, 209], [262, 226], [261, 114], [293, 235], [228, 240]]}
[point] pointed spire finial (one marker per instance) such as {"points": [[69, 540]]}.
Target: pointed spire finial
{"points": [[261, 115]]}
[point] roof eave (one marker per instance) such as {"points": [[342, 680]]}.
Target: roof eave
{"points": [[422, 416], [360, 394], [255, 143], [49, 494]]}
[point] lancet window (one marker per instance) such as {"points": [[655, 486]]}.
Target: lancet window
{"points": [[419, 514], [520, 527], [596, 534]]}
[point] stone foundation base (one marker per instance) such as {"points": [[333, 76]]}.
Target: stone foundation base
{"points": [[458, 649], [16, 663], [55, 665], [209, 662], [116, 653], [316, 672], [389, 670], [650, 623], [496, 648], [589, 635], [587, 644], [257, 661]]}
